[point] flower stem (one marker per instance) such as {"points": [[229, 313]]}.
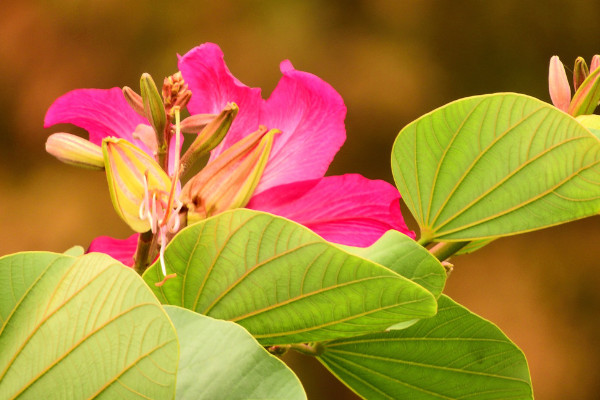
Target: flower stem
{"points": [[423, 241], [444, 250], [142, 253]]}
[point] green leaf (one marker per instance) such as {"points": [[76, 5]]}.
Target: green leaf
{"points": [[591, 122], [403, 255], [496, 165], [454, 355], [220, 359], [282, 282], [75, 251], [80, 328]]}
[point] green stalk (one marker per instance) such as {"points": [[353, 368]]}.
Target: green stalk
{"points": [[444, 250], [423, 241], [142, 253]]}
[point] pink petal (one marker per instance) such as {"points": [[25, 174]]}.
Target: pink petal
{"points": [[213, 86], [310, 113], [119, 249], [348, 209], [307, 109], [102, 112]]}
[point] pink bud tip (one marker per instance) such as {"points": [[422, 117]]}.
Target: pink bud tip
{"points": [[595, 62], [560, 91]]}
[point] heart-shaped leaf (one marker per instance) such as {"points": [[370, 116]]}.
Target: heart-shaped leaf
{"points": [[78, 328], [454, 355], [282, 282], [496, 165], [220, 359]]}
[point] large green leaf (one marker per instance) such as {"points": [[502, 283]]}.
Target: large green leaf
{"points": [[220, 359], [403, 255], [77, 328], [454, 355], [591, 122], [496, 165], [283, 282]]}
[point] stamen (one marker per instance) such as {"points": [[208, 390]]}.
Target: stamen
{"points": [[142, 210], [174, 178], [166, 278], [152, 216], [163, 240], [174, 222]]}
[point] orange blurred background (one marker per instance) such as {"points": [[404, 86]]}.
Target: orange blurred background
{"points": [[391, 62]]}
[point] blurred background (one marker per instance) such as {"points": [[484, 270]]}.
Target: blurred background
{"points": [[391, 62]]}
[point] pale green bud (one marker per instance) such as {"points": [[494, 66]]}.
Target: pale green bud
{"points": [[75, 150], [154, 108], [580, 72], [210, 137]]}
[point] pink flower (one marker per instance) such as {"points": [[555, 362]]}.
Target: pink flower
{"points": [[348, 209]]}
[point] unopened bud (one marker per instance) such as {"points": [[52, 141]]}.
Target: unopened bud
{"points": [[195, 123], [595, 63], [580, 72], [75, 150], [210, 137], [146, 135], [154, 109], [175, 91], [133, 178], [134, 100], [229, 181], [585, 100], [560, 91]]}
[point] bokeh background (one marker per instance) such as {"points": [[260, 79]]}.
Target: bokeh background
{"points": [[391, 61]]}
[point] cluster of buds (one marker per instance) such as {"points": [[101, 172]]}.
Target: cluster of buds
{"points": [[145, 188], [586, 84], [175, 92]]}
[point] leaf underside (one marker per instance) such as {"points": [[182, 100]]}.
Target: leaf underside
{"points": [[282, 282], [454, 355], [220, 357], [496, 165], [81, 328]]}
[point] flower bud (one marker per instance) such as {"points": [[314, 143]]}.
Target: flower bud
{"points": [[210, 137], [195, 123], [146, 135], [154, 109], [580, 72], [585, 100], [134, 100], [133, 178], [229, 181], [595, 63], [560, 91], [75, 150], [175, 92]]}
